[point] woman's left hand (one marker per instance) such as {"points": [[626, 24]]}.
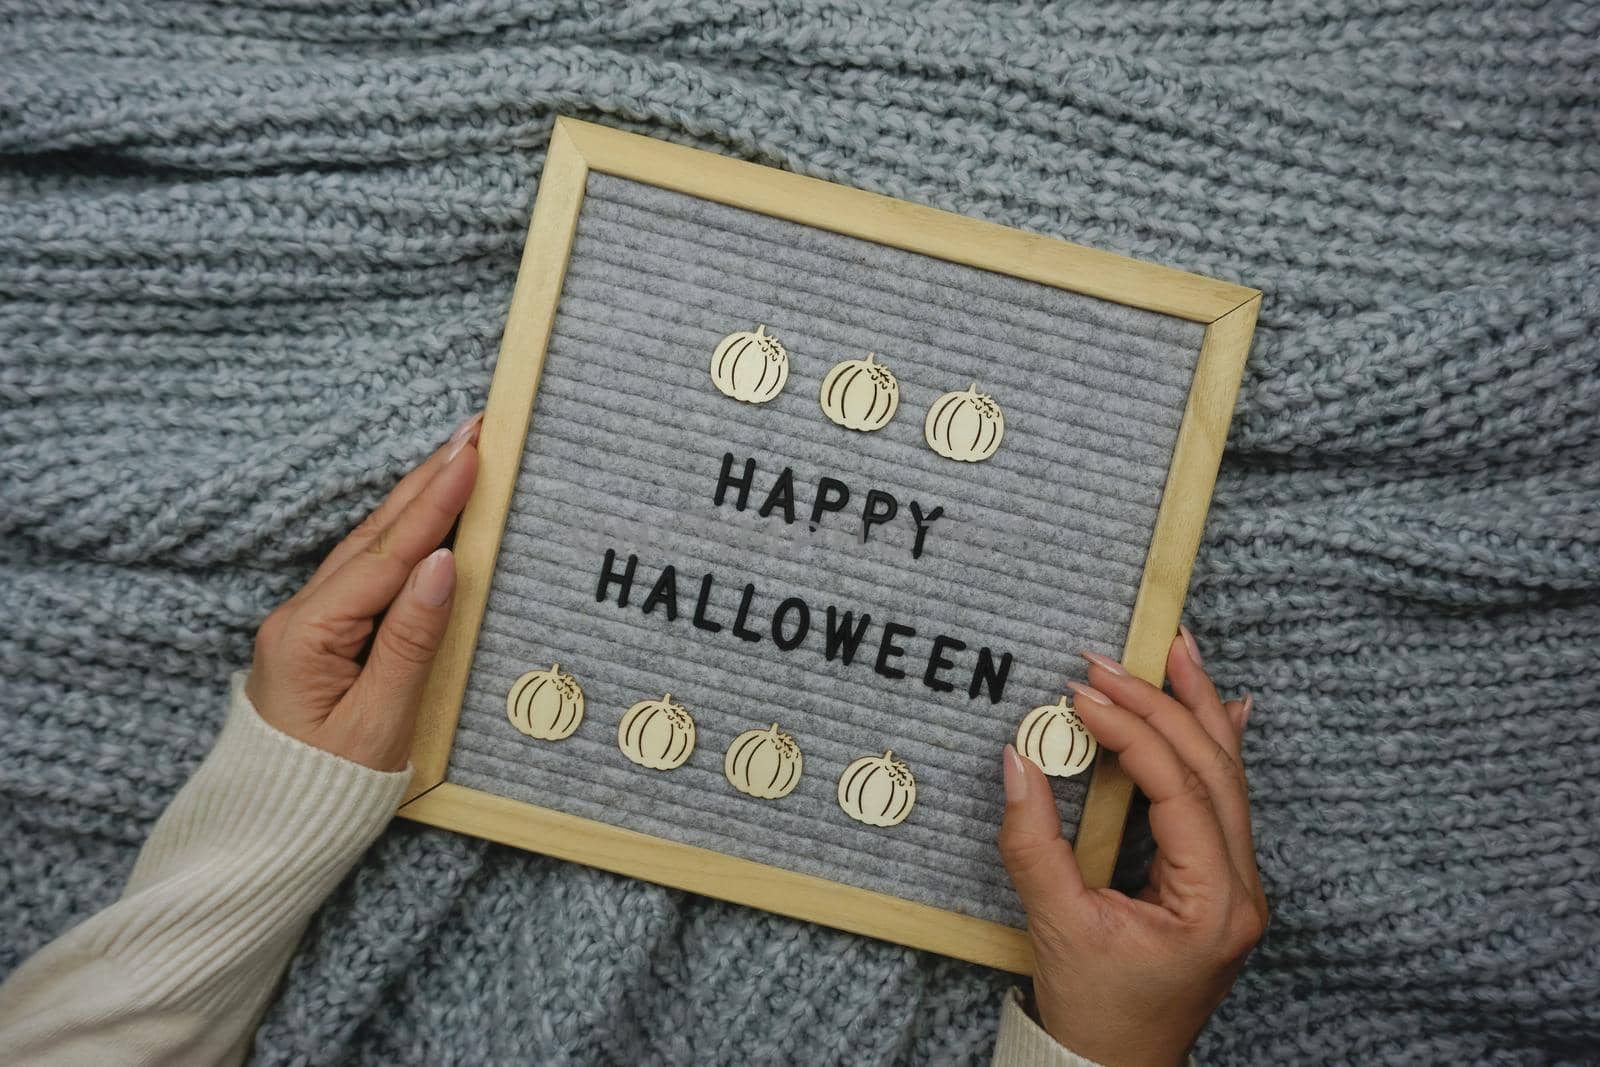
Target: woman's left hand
{"points": [[310, 679]]}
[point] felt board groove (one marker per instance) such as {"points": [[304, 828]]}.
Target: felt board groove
{"points": [[798, 245], [1040, 551], [1036, 346], [804, 283]]}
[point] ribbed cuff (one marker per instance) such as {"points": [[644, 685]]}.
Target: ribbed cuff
{"points": [[244, 855], [1024, 1043]]}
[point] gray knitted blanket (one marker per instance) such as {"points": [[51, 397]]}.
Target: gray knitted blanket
{"points": [[254, 263]]}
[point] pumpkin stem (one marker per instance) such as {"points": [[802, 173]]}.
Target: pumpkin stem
{"points": [[666, 698], [1061, 703], [555, 668], [888, 754], [761, 329], [870, 355], [774, 730], [973, 388]]}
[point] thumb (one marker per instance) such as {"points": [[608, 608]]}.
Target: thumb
{"points": [[385, 697], [1038, 858]]}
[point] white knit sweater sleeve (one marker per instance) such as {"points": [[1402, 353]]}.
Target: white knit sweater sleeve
{"points": [[1024, 1043], [181, 968]]}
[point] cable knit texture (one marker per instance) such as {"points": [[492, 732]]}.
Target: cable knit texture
{"points": [[255, 262]]}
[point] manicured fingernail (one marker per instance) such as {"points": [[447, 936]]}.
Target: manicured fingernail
{"points": [[1104, 662], [1188, 642], [465, 435], [1244, 712], [1016, 779], [1089, 692], [436, 578], [466, 429]]}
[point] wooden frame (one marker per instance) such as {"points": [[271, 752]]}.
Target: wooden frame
{"points": [[576, 148]]}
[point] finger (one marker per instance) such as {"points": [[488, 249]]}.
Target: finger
{"points": [[381, 708], [368, 581], [1180, 725], [1239, 712], [404, 492], [1225, 779], [1182, 819], [1238, 715], [1190, 682], [1039, 860], [1193, 686]]}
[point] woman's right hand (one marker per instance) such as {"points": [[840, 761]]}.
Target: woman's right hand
{"points": [[1125, 981]]}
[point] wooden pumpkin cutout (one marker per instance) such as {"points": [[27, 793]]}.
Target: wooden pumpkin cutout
{"points": [[966, 426], [860, 394], [752, 367], [547, 705], [1053, 737], [878, 790], [764, 763], [658, 734]]}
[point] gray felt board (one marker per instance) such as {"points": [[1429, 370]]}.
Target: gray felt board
{"points": [[1038, 553]]}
